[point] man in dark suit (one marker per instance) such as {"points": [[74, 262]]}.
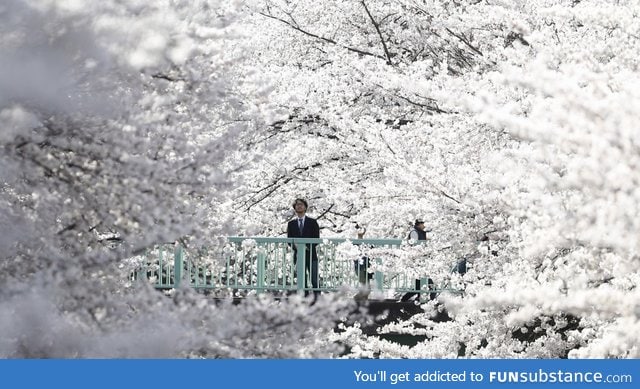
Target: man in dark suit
{"points": [[305, 227], [419, 233]]}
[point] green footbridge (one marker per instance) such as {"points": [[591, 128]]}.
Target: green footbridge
{"points": [[244, 265]]}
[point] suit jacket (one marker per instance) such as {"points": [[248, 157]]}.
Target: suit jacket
{"points": [[309, 230]]}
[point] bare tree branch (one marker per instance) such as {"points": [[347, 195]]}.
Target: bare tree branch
{"points": [[321, 38], [377, 27], [465, 41], [325, 212]]}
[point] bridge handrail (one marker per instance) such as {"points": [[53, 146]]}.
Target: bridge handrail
{"points": [[269, 265], [258, 239]]}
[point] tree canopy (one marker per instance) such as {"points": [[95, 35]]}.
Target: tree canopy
{"points": [[509, 126]]}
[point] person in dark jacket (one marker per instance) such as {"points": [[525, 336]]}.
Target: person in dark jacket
{"points": [[418, 233], [361, 267], [304, 226]]}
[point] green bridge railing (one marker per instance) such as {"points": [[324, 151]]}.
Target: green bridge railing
{"points": [[261, 264]]}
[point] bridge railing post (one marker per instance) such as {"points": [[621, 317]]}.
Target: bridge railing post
{"points": [[300, 266], [379, 276], [141, 272], [177, 266], [424, 281], [260, 272]]}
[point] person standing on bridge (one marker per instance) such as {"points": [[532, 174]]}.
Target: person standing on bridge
{"points": [[304, 226], [418, 233], [361, 266]]}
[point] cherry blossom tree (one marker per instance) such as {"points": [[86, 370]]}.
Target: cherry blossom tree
{"points": [[571, 190], [117, 121], [356, 134], [505, 124]]}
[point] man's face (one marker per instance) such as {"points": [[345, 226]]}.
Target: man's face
{"points": [[420, 226], [300, 207]]}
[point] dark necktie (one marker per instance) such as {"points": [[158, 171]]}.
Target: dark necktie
{"points": [[300, 225]]}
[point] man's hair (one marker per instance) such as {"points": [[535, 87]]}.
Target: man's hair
{"points": [[303, 201]]}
